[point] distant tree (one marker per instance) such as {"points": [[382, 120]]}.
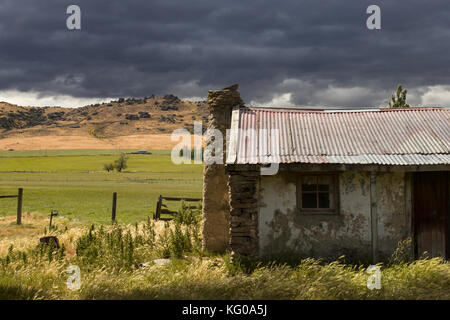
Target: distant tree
{"points": [[108, 166], [399, 101], [121, 163], [190, 153]]}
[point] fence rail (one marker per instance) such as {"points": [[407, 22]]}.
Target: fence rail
{"points": [[9, 196], [19, 197], [160, 210]]}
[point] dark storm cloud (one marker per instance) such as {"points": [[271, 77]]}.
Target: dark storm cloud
{"points": [[319, 51]]}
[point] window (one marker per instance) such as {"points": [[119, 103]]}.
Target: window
{"points": [[317, 193]]}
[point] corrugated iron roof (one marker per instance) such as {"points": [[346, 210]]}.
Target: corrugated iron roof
{"points": [[412, 136]]}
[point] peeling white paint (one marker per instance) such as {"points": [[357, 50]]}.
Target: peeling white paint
{"points": [[281, 226]]}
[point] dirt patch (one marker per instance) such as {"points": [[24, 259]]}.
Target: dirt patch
{"points": [[150, 141]]}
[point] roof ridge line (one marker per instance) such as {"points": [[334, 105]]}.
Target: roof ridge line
{"points": [[312, 110]]}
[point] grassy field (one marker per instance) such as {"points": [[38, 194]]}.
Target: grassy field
{"points": [[74, 183], [118, 262]]}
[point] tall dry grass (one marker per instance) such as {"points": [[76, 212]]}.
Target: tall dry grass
{"points": [[115, 263]]}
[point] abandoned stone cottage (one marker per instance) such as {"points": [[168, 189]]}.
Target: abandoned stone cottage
{"points": [[351, 183]]}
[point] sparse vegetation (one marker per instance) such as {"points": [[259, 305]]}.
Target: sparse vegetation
{"points": [[399, 100], [403, 253], [108, 167], [121, 163], [192, 154], [98, 132]]}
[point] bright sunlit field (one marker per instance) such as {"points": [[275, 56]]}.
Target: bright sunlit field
{"points": [[74, 183]]}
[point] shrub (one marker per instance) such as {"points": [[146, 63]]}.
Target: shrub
{"points": [[188, 216], [180, 242], [121, 163], [191, 153], [119, 248], [115, 248], [163, 243], [108, 167]]}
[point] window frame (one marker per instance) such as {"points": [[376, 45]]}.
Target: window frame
{"points": [[319, 211]]}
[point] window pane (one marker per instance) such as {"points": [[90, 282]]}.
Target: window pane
{"points": [[324, 200], [309, 183], [317, 192], [308, 187], [309, 200]]}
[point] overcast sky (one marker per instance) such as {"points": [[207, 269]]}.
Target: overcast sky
{"points": [[281, 53]]}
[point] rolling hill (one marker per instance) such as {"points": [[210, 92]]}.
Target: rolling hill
{"points": [[128, 123]]}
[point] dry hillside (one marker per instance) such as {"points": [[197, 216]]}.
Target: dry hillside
{"points": [[127, 122]]}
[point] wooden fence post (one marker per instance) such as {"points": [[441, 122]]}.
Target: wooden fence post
{"points": [[158, 208], [19, 205], [53, 213], [114, 206]]}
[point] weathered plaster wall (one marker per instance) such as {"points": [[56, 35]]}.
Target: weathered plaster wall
{"points": [[394, 216], [285, 231]]}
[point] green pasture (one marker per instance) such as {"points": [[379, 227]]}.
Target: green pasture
{"points": [[74, 183]]}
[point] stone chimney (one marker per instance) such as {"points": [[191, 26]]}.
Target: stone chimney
{"points": [[216, 209]]}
